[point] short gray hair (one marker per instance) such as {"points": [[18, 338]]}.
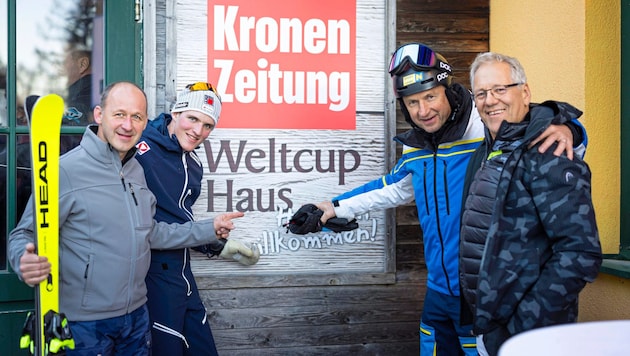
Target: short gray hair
{"points": [[518, 73]]}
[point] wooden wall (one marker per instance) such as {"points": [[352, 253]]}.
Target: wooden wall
{"points": [[456, 29], [362, 319]]}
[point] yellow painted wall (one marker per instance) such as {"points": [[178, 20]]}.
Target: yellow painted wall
{"points": [[571, 52]]}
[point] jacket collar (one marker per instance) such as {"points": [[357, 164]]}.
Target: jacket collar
{"points": [[102, 151], [454, 128]]}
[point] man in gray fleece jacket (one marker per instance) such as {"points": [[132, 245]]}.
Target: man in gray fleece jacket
{"points": [[106, 231]]}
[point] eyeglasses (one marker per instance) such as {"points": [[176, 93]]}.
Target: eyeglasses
{"points": [[497, 91], [417, 56], [203, 86]]}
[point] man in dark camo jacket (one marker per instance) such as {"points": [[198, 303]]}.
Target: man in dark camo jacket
{"points": [[529, 240]]}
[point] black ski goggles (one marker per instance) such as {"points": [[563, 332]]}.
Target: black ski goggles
{"points": [[417, 56]]}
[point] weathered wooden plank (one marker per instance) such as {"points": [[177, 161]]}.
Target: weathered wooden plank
{"points": [[207, 278], [413, 274], [439, 6], [335, 314], [406, 214], [443, 24], [410, 252], [408, 233], [375, 349], [446, 42], [260, 298], [326, 335]]}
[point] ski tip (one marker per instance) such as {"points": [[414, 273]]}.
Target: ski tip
{"points": [[49, 99], [47, 107]]}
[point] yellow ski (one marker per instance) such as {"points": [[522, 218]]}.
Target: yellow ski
{"points": [[48, 329]]}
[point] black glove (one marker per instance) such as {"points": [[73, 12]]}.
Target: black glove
{"points": [[212, 249], [307, 219], [341, 224]]}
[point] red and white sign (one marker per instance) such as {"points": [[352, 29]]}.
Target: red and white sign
{"points": [[284, 64]]}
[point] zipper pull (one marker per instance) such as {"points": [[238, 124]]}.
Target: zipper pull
{"points": [[133, 194], [122, 180]]}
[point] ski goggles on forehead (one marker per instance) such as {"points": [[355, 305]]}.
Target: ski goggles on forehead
{"points": [[203, 86], [417, 56]]}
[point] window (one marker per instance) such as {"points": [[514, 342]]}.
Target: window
{"points": [[40, 41], [52, 45]]}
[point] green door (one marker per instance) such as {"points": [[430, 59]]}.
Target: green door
{"points": [[73, 48]]}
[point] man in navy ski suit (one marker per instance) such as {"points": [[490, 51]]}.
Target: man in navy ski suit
{"points": [[173, 172]]}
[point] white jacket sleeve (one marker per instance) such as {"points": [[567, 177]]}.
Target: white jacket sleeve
{"points": [[389, 196]]}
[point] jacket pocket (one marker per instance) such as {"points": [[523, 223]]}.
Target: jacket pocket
{"points": [[144, 205], [105, 286]]}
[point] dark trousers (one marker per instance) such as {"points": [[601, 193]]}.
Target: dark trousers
{"points": [[179, 323], [440, 330], [122, 335]]}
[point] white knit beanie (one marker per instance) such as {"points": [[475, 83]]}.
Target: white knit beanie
{"points": [[201, 97]]}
